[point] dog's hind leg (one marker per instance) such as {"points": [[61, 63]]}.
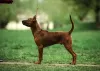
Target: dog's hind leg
{"points": [[69, 48]]}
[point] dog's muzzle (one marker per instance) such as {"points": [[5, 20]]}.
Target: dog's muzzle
{"points": [[23, 22]]}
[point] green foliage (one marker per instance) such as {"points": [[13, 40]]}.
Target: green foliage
{"points": [[58, 11], [8, 12], [84, 7]]}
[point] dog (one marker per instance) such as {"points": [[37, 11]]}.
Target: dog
{"points": [[43, 38]]}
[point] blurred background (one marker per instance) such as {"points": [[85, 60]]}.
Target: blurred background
{"points": [[52, 14], [17, 43]]}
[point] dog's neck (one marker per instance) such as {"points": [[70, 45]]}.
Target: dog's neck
{"points": [[35, 28]]}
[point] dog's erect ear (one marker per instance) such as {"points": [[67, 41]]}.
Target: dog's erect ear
{"points": [[34, 17]]}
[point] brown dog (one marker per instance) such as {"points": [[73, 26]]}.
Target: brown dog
{"points": [[44, 38]]}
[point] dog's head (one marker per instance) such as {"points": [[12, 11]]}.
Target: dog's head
{"points": [[30, 21]]}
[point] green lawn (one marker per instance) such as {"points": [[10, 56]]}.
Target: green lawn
{"points": [[20, 46], [46, 68]]}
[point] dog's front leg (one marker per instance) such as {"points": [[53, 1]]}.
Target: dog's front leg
{"points": [[40, 50]]}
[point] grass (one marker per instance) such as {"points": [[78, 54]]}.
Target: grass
{"points": [[18, 46], [46, 68]]}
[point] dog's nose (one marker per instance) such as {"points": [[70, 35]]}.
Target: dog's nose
{"points": [[22, 21]]}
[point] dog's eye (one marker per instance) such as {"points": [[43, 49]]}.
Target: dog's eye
{"points": [[29, 19]]}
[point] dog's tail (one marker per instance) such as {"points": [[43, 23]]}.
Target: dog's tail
{"points": [[72, 26]]}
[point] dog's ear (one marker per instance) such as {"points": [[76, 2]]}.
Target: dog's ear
{"points": [[34, 17]]}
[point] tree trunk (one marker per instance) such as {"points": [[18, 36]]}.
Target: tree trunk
{"points": [[97, 14], [3, 24]]}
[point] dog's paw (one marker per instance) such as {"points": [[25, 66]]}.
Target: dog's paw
{"points": [[72, 63], [38, 62]]}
